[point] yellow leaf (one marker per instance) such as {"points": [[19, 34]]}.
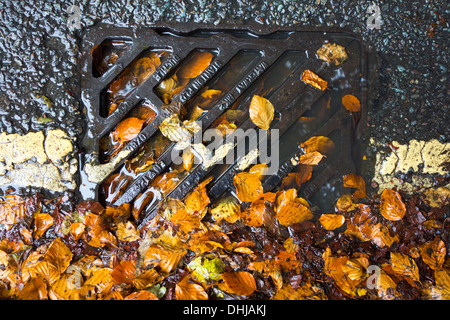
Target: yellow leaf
{"points": [[332, 53], [127, 232], [261, 112], [345, 203], [227, 209], [59, 255]]}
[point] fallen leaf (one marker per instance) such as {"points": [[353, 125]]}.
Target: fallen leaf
{"points": [[186, 290], [391, 205], [351, 103], [404, 265], [240, 283], [77, 230], [127, 232], [164, 256], [42, 221], [228, 209], [381, 236], [196, 64], [124, 272], [322, 144], [141, 295], [313, 79], [334, 54], [261, 112], [311, 158], [352, 180], [59, 255], [259, 169], [290, 209], [331, 221], [433, 253], [248, 186], [127, 129]]}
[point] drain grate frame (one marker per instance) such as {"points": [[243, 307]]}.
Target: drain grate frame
{"points": [[292, 99]]}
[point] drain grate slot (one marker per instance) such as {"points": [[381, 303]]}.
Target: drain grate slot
{"points": [[136, 79]]}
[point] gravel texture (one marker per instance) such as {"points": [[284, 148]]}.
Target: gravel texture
{"points": [[39, 55]]}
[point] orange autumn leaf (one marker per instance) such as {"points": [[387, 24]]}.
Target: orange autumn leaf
{"points": [[186, 290], [240, 283], [360, 223], [196, 65], [164, 256], [391, 205], [381, 236], [124, 272], [261, 112], [147, 279], [404, 265], [260, 211], [35, 289], [318, 143], [311, 158], [77, 230], [198, 199], [313, 79], [127, 232], [345, 203], [227, 209], [42, 221], [127, 129], [58, 255], [352, 180], [248, 186], [291, 210], [433, 253], [331, 221], [12, 209], [351, 103], [141, 295]]}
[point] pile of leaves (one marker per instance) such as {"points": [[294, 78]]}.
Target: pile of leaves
{"points": [[257, 246]]}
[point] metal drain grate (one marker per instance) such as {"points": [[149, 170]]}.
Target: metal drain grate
{"points": [[243, 63]]}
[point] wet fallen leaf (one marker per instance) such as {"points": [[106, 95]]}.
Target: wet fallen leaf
{"points": [[228, 209], [127, 129], [290, 209], [322, 144], [352, 180], [42, 222], [381, 236], [311, 158], [304, 292], [147, 279], [404, 265], [313, 79], [331, 221], [261, 210], [186, 290], [196, 65], [259, 169], [334, 54], [35, 289], [77, 230], [434, 253], [437, 197], [124, 272], [164, 256], [59, 255], [391, 205], [386, 287], [303, 174], [141, 295], [127, 232], [351, 103], [248, 186], [345, 203], [240, 283], [261, 112]]}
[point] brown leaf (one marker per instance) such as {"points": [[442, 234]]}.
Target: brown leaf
{"points": [[240, 283], [313, 79], [318, 143], [248, 186], [434, 253], [351, 103], [392, 206], [334, 54], [261, 112], [303, 174], [260, 211], [186, 290], [311, 158]]}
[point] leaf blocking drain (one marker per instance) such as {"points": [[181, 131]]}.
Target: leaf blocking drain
{"points": [[144, 87]]}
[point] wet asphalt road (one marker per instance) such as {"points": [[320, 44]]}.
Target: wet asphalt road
{"points": [[39, 84]]}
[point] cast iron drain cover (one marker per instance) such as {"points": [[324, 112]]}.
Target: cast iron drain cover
{"points": [[134, 78]]}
